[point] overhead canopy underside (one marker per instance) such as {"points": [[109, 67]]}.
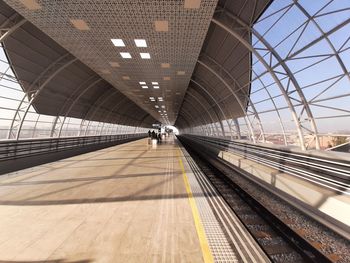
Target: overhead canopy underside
{"points": [[217, 66], [220, 85]]}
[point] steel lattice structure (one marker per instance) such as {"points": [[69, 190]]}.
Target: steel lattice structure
{"points": [[299, 73], [268, 71]]}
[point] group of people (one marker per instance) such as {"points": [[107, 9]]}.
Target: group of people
{"points": [[154, 135]]}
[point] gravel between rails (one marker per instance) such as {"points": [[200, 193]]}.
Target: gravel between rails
{"points": [[337, 247]]}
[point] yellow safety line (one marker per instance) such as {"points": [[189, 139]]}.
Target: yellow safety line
{"points": [[207, 256]]}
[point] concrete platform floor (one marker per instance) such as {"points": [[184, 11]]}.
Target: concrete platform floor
{"points": [[126, 203]]}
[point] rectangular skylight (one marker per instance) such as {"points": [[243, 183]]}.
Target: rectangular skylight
{"points": [[118, 42], [163, 106], [156, 87], [145, 55], [154, 83], [140, 42], [142, 83], [156, 106], [125, 54], [80, 24], [145, 87]]}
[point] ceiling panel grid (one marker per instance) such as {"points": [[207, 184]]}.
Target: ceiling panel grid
{"points": [[129, 20]]}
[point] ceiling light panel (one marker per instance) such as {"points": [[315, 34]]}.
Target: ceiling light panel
{"points": [[96, 49], [125, 55], [118, 42], [140, 42], [145, 55], [144, 87], [156, 87], [154, 83], [142, 83]]}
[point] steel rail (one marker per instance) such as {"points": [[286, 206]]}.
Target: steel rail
{"points": [[332, 177]]}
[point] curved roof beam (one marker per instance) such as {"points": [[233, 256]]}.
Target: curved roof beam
{"points": [[204, 123], [209, 114], [219, 21], [10, 26], [34, 90], [93, 109], [80, 94], [241, 88], [107, 119], [325, 36], [217, 103], [252, 133], [185, 113]]}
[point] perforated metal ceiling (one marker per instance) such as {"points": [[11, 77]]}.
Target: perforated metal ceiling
{"points": [[129, 20]]}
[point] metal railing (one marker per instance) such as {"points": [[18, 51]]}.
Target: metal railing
{"points": [[327, 172], [13, 149]]}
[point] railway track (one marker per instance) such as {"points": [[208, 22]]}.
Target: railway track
{"points": [[282, 232]]}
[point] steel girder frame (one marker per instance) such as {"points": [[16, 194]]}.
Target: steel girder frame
{"points": [[204, 122], [221, 19], [227, 85], [226, 119], [116, 120], [141, 122], [92, 111], [325, 36], [208, 113], [34, 90], [207, 109], [201, 124], [72, 101], [192, 119], [221, 73], [108, 119], [189, 119], [10, 26]]}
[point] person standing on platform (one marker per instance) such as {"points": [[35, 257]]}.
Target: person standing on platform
{"points": [[154, 136], [149, 133]]}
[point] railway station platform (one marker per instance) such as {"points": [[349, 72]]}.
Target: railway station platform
{"points": [[128, 203]]}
